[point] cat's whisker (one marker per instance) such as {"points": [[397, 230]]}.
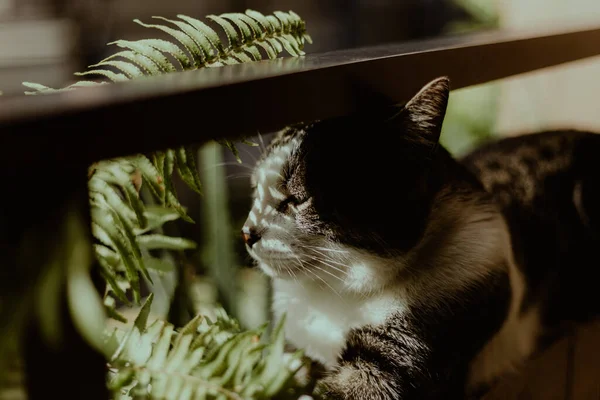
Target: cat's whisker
{"points": [[327, 272], [238, 176], [327, 284], [303, 268], [252, 156], [232, 163], [327, 256], [325, 249], [323, 261], [294, 274], [262, 143]]}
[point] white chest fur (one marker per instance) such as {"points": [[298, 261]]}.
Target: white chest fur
{"points": [[318, 319]]}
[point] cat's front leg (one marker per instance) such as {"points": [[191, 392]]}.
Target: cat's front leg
{"points": [[359, 379], [388, 363]]}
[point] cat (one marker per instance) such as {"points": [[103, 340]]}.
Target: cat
{"points": [[410, 274]]}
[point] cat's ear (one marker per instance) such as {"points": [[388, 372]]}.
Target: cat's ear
{"points": [[424, 113]]}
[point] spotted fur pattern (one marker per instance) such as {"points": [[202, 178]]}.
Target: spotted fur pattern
{"points": [[393, 261]]}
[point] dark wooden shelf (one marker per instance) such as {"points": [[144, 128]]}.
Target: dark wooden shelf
{"points": [[188, 107]]}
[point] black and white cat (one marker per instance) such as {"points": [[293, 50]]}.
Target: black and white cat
{"points": [[411, 275]]}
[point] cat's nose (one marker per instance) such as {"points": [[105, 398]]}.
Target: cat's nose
{"points": [[250, 235]]}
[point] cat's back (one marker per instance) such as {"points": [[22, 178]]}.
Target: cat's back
{"points": [[525, 168], [548, 186]]}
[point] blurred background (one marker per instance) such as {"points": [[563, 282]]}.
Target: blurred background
{"points": [[46, 41]]}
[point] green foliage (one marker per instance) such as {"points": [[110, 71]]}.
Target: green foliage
{"points": [[124, 226], [121, 222], [206, 359], [197, 45]]}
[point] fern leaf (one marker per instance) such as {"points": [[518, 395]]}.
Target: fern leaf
{"points": [[168, 363], [142, 318], [275, 23], [82, 84], [106, 231], [158, 264], [157, 241], [241, 56], [288, 45], [253, 51], [168, 165], [232, 35], [38, 88], [109, 307], [146, 64], [231, 148], [150, 175], [207, 31], [158, 160], [109, 263], [186, 167], [122, 172], [206, 52], [107, 273], [99, 187], [168, 168], [158, 216], [276, 44], [188, 44], [268, 48], [262, 20], [130, 244], [154, 49], [122, 378], [270, 369], [129, 69], [161, 349], [258, 30], [113, 76], [285, 21], [247, 34], [107, 254]]}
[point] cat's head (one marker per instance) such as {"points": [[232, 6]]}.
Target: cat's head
{"points": [[334, 194]]}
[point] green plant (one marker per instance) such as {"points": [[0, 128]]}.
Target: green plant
{"points": [[198, 45], [120, 221], [126, 231], [124, 226], [206, 359]]}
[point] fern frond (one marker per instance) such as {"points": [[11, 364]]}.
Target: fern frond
{"points": [[123, 224], [156, 241], [113, 76], [203, 360], [157, 216], [185, 41], [186, 167], [196, 45]]}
